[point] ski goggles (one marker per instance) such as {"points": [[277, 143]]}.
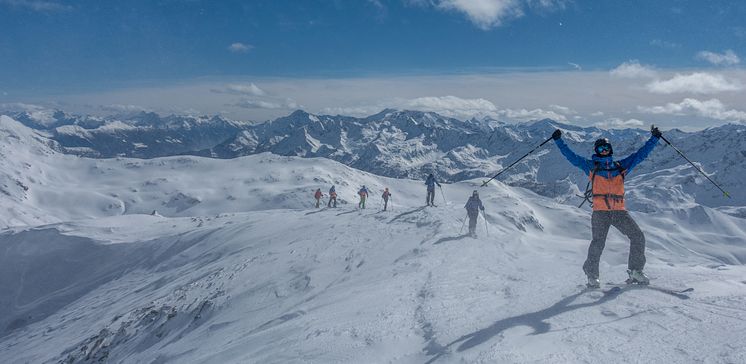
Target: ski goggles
{"points": [[603, 148]]}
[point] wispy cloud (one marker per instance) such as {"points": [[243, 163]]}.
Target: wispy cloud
{"points": [[575, 66], [487, 14], [664, 44], [698, 83], [37, 5], [617, 123], [240, 47], [712, 108], [633, 69], [241, 89], [287, 104], [120, 108], [727, 58]]}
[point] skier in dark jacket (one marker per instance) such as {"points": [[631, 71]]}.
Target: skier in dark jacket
{"points": [[332, 198], [386, 194], [473, 205], [431, 182], [606, 181]]}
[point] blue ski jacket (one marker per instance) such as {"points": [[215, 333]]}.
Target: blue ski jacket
{"points": [[587, 165], [474, 205], [431, 182]]}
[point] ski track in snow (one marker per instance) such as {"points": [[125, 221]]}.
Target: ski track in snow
{"points": [[264, 278]]}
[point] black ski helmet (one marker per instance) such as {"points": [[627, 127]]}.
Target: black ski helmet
{"points": [[602, 142]]}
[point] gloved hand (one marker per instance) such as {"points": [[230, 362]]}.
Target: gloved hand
{"points": [[557, 134], [654, 130]]}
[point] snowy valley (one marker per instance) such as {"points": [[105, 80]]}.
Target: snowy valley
{"points": [[183, 258]]}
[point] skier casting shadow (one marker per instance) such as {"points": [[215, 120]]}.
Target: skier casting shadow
{"points": [[605, 191], [535, 320]]}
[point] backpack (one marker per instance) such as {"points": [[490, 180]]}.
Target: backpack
{"points": [[588, 194]]}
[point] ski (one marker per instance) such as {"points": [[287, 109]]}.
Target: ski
{"points": [[679, 293]]}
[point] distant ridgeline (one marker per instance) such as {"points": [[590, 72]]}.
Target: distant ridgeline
{"points": [[411, 144]]}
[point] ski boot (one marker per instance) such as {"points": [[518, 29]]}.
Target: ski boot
{"points": [[593, 282], [637, 277]]}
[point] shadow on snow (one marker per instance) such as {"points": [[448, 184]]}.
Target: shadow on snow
{"points": [[535, 320]]}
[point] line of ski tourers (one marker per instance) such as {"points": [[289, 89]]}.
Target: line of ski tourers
{"points": [[473, 205]]}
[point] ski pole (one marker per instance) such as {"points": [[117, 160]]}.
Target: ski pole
{"points": [[484, 215], [512, 164], [462, 227], [693, 165], [443, 194]]}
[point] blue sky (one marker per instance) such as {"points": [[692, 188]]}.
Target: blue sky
{"points": [[261, 59]]}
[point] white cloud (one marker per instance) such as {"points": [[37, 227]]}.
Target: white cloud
{"points": [[633, 69], [534, 114], [728, 58], [575, 66], [617, 123], [487, 14], [664, 44], [563, 109], [241, 89], [451, 106], [123, 108], [240, 47], [20, 106], [287, 104], [454, 107], [597, 113], [37, 5], [712, 108], [699, 83]]}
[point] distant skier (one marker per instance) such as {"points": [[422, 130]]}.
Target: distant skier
{"points": [[332, 198], [473, 205], [385, 196], [363, 193], [318, 196], [606, 181], [431, 182]]}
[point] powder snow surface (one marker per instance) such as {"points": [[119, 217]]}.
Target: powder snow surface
{"points": [[194, 260]]}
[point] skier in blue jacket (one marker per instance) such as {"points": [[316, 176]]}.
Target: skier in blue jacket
{"points": [[606, 181]]}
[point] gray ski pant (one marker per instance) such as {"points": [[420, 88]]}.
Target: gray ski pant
{"points": [[473, 221], [600, 223]]}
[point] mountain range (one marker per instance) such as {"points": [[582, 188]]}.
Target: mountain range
{"points": [[412, 144]]}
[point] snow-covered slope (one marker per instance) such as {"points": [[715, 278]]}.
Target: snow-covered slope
{"points": [[238, 267]]}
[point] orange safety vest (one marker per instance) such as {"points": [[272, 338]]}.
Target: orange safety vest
{"points": [[608, 193]]}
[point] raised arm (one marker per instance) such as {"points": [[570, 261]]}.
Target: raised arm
{"points": [[635, 158], [584, 164]]}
